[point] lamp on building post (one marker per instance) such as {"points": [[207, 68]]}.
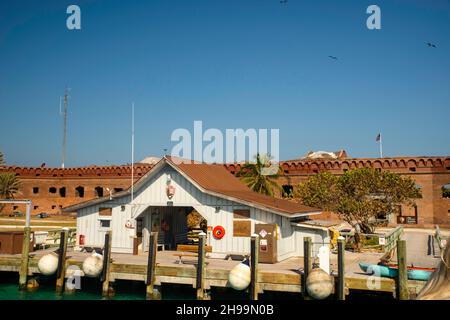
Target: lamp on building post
{"points": [[110, 193]]}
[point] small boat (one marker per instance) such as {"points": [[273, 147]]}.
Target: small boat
{"points": [[378, 270], [416, 273], [391, 271]]}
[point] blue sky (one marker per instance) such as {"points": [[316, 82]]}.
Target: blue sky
{"points": [[231, 64]]}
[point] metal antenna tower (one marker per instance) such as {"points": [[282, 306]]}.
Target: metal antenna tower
{"points": [[64, 146]]}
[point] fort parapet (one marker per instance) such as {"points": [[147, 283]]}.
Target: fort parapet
{"points": [[54, 188]]}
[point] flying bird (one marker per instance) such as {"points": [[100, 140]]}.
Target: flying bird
{"points": [[284, 1], [431, 45], [333, 57]]}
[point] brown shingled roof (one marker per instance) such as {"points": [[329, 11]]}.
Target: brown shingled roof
{"points": [[217, 179]]}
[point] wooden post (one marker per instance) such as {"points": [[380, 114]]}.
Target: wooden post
{"points": [[152, 294], [307, 263], [402, 278], [106, 263], [254, 258], [341, 270], [61, 272], [23, 274], [201, 267]]}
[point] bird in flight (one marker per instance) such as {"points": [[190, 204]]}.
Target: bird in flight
{"points": [[333, 57], [284, 1], [431, 45]]}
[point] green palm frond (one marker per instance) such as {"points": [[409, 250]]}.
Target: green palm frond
{"points": [[9, 185], [252, 175]]}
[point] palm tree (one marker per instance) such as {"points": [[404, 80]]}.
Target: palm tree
{"points": [[2, 159], [259, 176], [9, 185]]}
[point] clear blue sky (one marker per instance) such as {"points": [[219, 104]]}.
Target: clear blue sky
{"points": [[231, 64]]}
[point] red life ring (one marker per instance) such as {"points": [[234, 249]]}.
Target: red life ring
{"points": [[218, 232]]}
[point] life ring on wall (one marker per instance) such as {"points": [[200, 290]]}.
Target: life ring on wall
{"points": [[129, 225], [218, 232]]}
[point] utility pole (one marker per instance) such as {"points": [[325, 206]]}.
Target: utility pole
{"points": [[64, 146]]}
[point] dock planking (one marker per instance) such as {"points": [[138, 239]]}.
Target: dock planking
{"points": [[283, 276]]}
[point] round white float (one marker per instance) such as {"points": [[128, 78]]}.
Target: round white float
{"points": [[93, 265], [319, 284], [48, 264], [239, 277]]}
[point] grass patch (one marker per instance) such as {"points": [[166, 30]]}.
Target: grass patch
{"points": [[40, 222]]}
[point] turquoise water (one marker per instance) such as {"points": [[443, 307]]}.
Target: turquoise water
{"points": [[135, 290], [124, 290], [90, 290]]}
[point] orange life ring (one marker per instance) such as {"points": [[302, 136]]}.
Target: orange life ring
{"points": [[218, 232]]}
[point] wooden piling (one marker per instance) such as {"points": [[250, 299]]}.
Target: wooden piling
{"points": [[23, 273], [200, 281], [402, 292], [307, 263], [61, 272], [106, 263], [152, 292], [340, 294], [254, 259]]}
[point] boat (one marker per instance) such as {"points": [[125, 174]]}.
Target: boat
{"points": [[378, 270], [416, 273], [391, 271]]}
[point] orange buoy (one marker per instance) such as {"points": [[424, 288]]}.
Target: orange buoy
{"points": [[218, 232]]}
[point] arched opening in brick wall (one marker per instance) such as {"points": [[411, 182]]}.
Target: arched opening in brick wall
{"points": [[288, 191], [62, 192], [446, 191], [118, 189], [79, 192], [99, 192], [52, 190]]}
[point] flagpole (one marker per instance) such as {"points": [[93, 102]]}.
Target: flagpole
{"points": [[381, 146], [132, 152]]}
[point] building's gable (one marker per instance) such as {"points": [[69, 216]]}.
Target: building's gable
{"points": [[154, 191]]}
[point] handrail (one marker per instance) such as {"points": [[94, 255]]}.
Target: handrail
{"points": [[391, 238], [54, 234]]}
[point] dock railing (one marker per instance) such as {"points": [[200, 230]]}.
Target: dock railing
{"points": [[54, 236], [391, 239], [386, 242]]}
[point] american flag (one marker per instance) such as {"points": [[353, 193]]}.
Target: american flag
{"points": [[378, 137]]}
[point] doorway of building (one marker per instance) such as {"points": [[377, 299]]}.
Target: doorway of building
{"points": [[175, 226]]}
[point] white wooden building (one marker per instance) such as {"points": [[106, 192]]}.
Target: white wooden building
{"points": [[170, 190]]}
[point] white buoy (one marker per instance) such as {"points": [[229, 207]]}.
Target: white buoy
{"points": [[93, 265], [319, 284], [324, 258], [239, 277], [48, 264]]}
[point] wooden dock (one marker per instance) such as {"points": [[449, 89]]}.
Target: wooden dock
{"points": [[285, 276]]}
